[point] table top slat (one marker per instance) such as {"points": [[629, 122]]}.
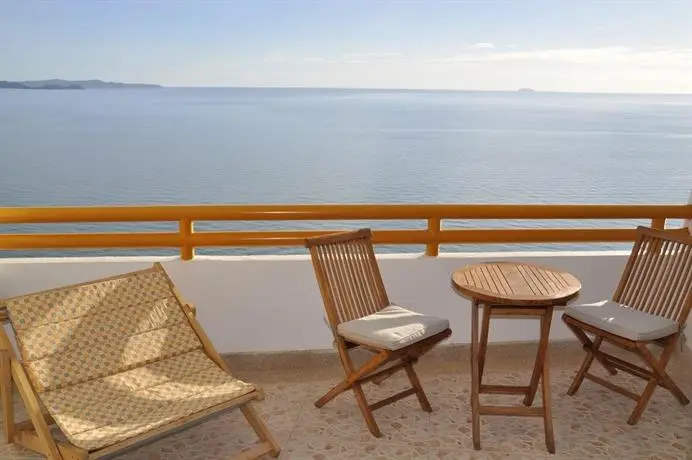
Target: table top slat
{"points": [[529, 281], [493, 268], [515, 283], [496, 284]]}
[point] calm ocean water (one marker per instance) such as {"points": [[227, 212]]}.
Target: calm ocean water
{"points": [[346, 146]]}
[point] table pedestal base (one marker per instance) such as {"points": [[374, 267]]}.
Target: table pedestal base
{"points": [[540, 372]]}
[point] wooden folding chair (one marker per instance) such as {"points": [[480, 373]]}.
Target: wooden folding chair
{"points": [[115, 363], [650, 306], [360, 315]]}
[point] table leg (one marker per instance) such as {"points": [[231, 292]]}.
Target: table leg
{"points": [[546, 319], [483, 347], [547, 409], [475, 378]]}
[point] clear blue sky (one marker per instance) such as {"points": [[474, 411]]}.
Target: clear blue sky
{"points": [[563, 45]]}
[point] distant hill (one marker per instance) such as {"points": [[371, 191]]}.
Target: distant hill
{"points": [[20, 85], [73, 84]]}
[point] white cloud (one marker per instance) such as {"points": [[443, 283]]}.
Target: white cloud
{"points": [[369, 55], [576, 55], [483, 46], [611, 56]]}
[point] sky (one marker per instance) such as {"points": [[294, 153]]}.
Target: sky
{"points": [[549, 45]]}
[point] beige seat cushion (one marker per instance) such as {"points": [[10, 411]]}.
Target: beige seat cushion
{"points": [[392, 328], [108, 410], [623, 321]]}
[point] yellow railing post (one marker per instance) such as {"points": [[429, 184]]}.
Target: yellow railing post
{"points": [[433, 249], [187, 250], [659, 223]]}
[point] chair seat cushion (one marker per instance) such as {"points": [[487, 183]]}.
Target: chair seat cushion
{"points": [[623, 321], [392, 328], [105, 411]]}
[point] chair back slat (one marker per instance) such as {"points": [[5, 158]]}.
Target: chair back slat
{"points": [[348, 275], [658, 276], [671, 271], [680, 303]]}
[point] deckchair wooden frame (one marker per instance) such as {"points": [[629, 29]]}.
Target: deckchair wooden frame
{"points": [[656, 280], [35, 434], [357, 290]]}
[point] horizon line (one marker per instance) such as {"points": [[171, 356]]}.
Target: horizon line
{"points": [[457, 90], [527, 89]]}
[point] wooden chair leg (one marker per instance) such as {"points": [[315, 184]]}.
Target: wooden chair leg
{"points": [[47, 443], [643, 401], [415, 382], [377, 370], [659, 368], [590, 346], [6, 395], [352, 382], [366, 411], [351, 375], [585, 365], [261, 428], [333, 393], [541, 356]]}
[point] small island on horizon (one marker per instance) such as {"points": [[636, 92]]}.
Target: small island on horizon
{"points": [[57, 84], [526, 90]]}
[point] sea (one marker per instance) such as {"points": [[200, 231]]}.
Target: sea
{"points": [[286, 145]]}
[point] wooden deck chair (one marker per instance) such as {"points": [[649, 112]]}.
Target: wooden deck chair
{"points": [[360, 315], [650, 306], [115, 363]]}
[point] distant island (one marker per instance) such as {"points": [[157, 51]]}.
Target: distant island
{"points": [[73, 84], [20, 85], [526, 90]]}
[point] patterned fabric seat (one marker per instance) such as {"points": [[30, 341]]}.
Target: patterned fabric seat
{"points": [[104, 411], [114, 359]]}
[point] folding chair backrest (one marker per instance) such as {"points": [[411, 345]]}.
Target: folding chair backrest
{"points": [[658, 276], [348, 275], [79, 333]]}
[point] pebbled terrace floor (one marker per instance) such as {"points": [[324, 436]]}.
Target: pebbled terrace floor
{"points": [[590, 425]]}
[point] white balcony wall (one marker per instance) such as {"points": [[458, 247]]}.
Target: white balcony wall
{"points": [[250, 304]]}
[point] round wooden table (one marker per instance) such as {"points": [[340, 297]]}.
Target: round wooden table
{"points": [[513, 289]]}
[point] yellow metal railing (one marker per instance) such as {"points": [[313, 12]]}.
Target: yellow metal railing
{"points": [[186, 239]]}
